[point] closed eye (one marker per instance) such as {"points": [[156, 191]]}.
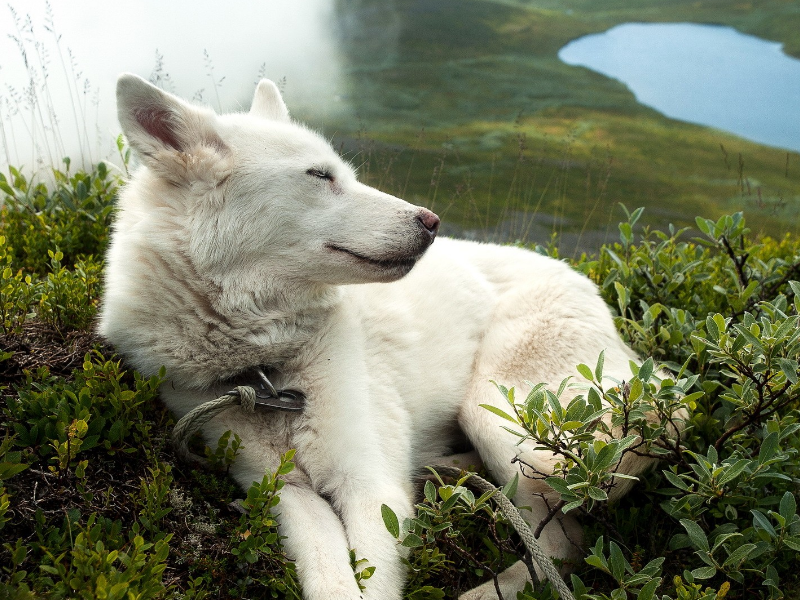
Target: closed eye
{"points": [[320, 174]]}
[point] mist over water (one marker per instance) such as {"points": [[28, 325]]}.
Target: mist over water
{"points": [[209, 53]]}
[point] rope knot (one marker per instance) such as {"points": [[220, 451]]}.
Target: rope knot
{"points": [[193, 421], [247, 397]]}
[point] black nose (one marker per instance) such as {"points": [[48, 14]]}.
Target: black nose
{"points": [[429, 221]]}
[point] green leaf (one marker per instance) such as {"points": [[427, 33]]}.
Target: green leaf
{"points": [[595, 493], [762, 521], [788, 507], [285, 468], [696, 534], [598, 370], [648, 589], [499, 413], [585, 372], [703, 225], [787, 327], [559, 485], [768, 447], [596, 562], [501, 388], [722, 538], [430, 492], [712, 329], [739, 555], [8, 470], [646, 370], [510, 489], [80, 190], [731, 472], [115, 431], [578, 586], [652, 568], [788, 368], [675, 480], [606, 456], [617, 561], [412, 540], [563, 386], [390, 520], [571, 425], [793, 542], [555, 407], [451, 501], [751, 338], [704, 572]]}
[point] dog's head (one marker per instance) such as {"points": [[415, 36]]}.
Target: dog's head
{"points": [[256, 195]]}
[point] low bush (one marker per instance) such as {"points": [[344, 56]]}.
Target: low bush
{"points": [[73, 215], [94, 504]]}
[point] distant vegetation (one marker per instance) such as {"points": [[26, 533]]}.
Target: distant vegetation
{"points": [[476, 115], [465, 107]]}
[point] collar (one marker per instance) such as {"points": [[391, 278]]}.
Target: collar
{"points": [[268, 396]]}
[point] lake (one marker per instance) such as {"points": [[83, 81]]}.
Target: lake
{"points": [[705, 74]]}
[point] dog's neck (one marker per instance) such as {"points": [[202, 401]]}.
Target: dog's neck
{"points": [[277, 317], [261, 321], [205, 331]]}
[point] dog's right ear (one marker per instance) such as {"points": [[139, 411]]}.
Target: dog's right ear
{"points": [[172, 137], [268, 103]]}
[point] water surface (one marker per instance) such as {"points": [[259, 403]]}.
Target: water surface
{"points": [[703, 74]]}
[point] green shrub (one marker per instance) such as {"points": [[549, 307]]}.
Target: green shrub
{"points": [[44, 229], [722, 314], [74, 216], [92, 500], [453, 523], [267, 572], [99, 565], [16, 293], [58, 419], [68, 298]]}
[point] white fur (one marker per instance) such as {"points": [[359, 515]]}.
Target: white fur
{"points": [[222, 259]]}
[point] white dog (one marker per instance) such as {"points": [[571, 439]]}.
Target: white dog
{"points": [[244, 241]]}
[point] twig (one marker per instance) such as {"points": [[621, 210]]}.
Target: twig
{"points": [[794, 271], [553, 512], [738, 261], [761, 412]]}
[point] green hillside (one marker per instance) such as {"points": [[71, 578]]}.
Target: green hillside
{"points": [[466, 107]]}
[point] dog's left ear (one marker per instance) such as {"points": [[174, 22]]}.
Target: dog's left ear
{"points": [[174, 139], [268, 103]]}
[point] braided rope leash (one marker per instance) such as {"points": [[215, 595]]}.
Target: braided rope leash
{"points": [[193, 421], [512, 513], [245, 396]]}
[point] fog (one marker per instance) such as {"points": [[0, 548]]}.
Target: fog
{"points": [[75, 49]]}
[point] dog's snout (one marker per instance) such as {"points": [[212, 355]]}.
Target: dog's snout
{"points": [[429, 221]]}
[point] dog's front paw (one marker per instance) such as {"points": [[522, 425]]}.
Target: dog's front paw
{"points": [[510, 581], [485, 591]]}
